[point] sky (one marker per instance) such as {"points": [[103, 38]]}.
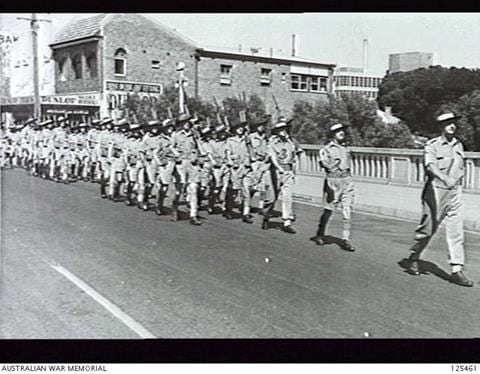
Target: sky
{"points": [[326, 37]]}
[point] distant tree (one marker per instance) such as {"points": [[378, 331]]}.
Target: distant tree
{"points": [[169, 101], [468, 106], [416, 96], [383, 135], [313, 121]]}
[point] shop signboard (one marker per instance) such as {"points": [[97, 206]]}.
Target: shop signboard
{"points": [[117, 93]]}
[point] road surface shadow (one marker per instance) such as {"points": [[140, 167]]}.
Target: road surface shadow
{"points": [[426, 267]]}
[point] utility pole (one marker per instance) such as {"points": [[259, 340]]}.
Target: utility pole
{"points": [[36, 80]]}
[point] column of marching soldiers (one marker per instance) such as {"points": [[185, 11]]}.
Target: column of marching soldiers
{"points": [[177, 161]]}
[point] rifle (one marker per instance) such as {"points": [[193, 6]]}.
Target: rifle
{"points": [[279, 111]]}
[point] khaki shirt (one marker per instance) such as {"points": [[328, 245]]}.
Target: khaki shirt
{"points": [[237, 148], [218, 150], [332, 152], [448, 157], [259, 146], [184, 143], [283, 150]]}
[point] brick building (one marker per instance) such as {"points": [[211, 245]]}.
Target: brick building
{"points": [[110, 56]]}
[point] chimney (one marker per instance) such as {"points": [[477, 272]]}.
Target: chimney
{"points": [[365, 55], [294, 45], [388, 110]]}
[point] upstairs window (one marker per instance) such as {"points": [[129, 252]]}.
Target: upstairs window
{"points": [[318, 84], [77, 66], [299, 82], [226, 75], [156, 64], [265, 77], [120, 62]]}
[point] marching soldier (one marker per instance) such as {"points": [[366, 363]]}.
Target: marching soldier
{"points": [[41, 148], [238, 156], [185, 149], [93, 136], [82, 155], [7, 147], [216, 149], [117, 160], [338, 187], [133, 147], [103, 150], [261, 178], [442, 199], [283, 151], [165, 159], [204, 137], [148, 171], [26, 143]]}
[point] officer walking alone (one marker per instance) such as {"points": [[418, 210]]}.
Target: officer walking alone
{"points": [[442, 199]]}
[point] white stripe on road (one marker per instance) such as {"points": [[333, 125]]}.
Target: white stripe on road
{"points": [[112, 308]]}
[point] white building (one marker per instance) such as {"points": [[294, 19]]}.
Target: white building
{"points": [[354, 81]]}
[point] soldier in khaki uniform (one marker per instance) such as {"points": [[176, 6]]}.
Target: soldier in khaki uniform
{"points": [[166, 166], [239, 159], [338, 187], [147, 174], [117, 159], [261, 164], [220, 172], [187, 169], [442, 199], [282, 151], [132, 148]]}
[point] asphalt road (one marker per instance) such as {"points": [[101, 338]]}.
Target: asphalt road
{"points": [[76, 266]]}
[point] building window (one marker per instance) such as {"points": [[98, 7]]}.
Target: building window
{"points": [[266, 77], [318, 84], [226, 75], [120, 62], [92, 65], [77, 66], [284, 77], [155, 64], [299, 82]]}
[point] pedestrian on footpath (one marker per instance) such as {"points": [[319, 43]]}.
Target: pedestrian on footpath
{"points": [[338, 189], [442, 199]]}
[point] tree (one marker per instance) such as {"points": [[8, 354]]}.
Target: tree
{"points": [[169, 101], [416, 96], [312, 123], [468, 106]]}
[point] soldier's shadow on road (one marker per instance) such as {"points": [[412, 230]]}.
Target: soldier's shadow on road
{"points": [[426, 267], [329, 239]]}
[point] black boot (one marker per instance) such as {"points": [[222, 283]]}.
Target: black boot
{"points": [[103, 188], [144, 204], [116, 192], [160, 197], [128, 197]]}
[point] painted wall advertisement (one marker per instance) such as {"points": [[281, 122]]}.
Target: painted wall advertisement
{"points": [[117, 92]]}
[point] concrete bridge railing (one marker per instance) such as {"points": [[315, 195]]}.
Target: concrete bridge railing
{"points": [[403, 167]]}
